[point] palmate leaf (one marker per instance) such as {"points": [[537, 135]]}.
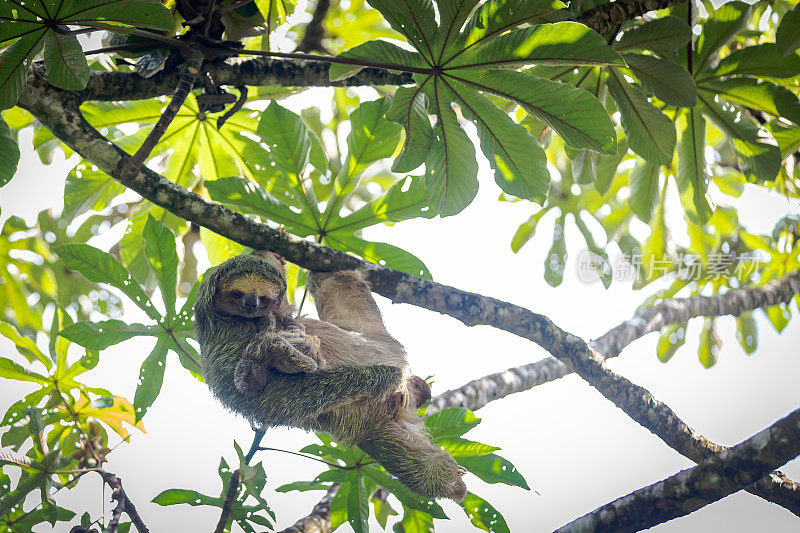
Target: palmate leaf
{"points": [[151, 376], [64, 60], [643, 179], [648, 131], [718, 30], [159, 246], [483, 515], [662, 35], [763, 60], [756, 94], [456, 61], [519, 162]]}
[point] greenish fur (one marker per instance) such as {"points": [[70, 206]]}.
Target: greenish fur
{"points": [[349, 403]]}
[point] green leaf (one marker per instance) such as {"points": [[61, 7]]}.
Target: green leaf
{"points": [[747, 332], [287, 138], [414, 522], [408, 110], [249, 197], [526, 230], [520, 165], [14, 62], [757, 94], [763, 60], [100, 267], [643, 181], [88, 188], [11, 370], [483, 515], [577, 116], [302, 486], [25, 345], [159, 245], [379, 51], [491, 19], [778, 316], [648, 131], [556, 258], [372, 138], [726, 21], [458, 447], [451, 168], [451, 422], [710, 344], [414, 19], [759, 159], [562, 43], [787, 36], [404, 200], [101, 335], [192, 497], [358, 503], [662, 35], [787, 137], [151, 376], [138, 13], [452, 14], [10, 150], [666, 79], [407, 498], [692, 173], [65, 62], [492, 468], [378, 252], [275, 12]]}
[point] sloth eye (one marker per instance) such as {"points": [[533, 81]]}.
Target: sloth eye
{"points": [[236, 294]]}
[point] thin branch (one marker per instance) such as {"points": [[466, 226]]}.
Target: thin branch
{"points": [[696, 487], [734, 302], [124, 504], [187, 75], [62, 116], [233, 484], [336, 59]]}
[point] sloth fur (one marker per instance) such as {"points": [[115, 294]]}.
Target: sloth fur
{"points": [[356, 387]]}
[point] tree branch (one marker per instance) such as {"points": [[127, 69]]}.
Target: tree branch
{"points": [[124, 504], [605, 17], [319, 520], [233, 484], [59, 112], [696, 487], [734, 302]]}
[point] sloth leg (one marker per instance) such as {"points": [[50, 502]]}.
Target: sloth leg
{"points": [[404, 450]]}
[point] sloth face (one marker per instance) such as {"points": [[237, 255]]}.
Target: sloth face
{"points": [[247, 296]]}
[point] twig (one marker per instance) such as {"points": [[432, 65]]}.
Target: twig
{"points": [[188, 74], [124, 504], [696, 487], [233, 484]]}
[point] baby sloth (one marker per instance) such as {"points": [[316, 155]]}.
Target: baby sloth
{"points": [[343, 375]]}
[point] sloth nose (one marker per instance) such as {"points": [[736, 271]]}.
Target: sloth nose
{"points": [[250, 301]]}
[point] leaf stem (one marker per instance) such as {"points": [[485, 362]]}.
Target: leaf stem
{"points": [[332, 59]]}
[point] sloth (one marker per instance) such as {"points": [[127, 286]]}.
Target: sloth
{"points": [[343, 375]]}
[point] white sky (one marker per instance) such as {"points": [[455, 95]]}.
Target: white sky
{"points": [[574, 447]]}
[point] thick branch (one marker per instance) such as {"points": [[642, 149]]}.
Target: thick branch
{"points": [[696, 487], [263, 71], [59, 112], [605, 17]]}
